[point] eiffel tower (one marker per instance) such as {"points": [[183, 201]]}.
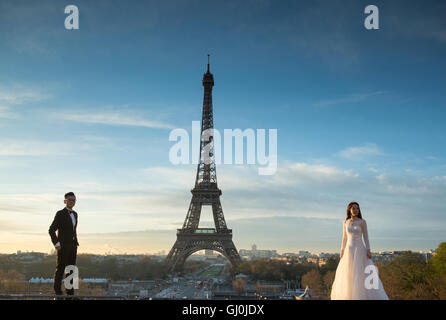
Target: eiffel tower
{"points": [[191, 238]]}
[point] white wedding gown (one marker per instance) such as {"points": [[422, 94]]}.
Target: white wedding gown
{"points": [[352, 279]]}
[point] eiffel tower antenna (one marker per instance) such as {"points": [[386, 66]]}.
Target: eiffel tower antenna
{"points": [[208, 62], [191, 238]]}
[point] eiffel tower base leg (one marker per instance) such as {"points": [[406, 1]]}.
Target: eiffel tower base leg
{"points": [[187, 244]]}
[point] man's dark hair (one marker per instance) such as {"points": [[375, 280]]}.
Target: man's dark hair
{"points": [[69, 194]]}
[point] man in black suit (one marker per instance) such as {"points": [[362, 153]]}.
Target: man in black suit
{"points": [[65, 242]]}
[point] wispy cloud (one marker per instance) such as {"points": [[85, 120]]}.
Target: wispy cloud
{"points": [[367, 149], [425, 21], [412, 185], [6, 113], [17, 147], [352, 98], [301, 173], [17, 94], [20, 94], [113, 118], [243, 177]]}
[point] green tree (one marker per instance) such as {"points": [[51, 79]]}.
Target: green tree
{"points": [[328, 281], [239, 285], [313, 279], [439, 260], [410, 277], [330, 265], [12, 282], [244, 267]]}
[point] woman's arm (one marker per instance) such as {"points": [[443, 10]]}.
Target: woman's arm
{"points": [[344, 239], [366, 238], [365, 234]]}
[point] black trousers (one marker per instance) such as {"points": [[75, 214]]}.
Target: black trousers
{"points": [[66, 256]]}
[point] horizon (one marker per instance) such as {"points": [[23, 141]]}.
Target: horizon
{"points": [[201, 252], [215, 253]]}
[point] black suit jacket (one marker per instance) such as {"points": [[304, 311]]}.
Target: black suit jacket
{"points": [[64, 225]]}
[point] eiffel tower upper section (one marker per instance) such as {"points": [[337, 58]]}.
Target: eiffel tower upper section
{"points": [[206, 172], [206, 191]]}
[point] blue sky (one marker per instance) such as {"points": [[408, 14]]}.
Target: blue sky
{"points": [[359, 113]]}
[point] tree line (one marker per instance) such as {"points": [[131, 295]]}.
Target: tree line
{"points": [[109, 267]]}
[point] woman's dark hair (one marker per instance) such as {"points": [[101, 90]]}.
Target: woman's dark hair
{"points": [[349, 214], [69, 194]]}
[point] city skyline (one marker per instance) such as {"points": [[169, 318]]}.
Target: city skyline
{"points": [[359, 115], [260, 251]]}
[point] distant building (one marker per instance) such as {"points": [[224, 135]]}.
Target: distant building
{"points": [[289, 260], [29, 256], [214, 258], [257, 254], [40, 280], [94, 280], [197, 257], [327, 255], [134, 287], [50, 280], [290, 254], [304, 253]]}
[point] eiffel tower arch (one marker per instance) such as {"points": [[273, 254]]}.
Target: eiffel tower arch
{"points": [[191, 238]]}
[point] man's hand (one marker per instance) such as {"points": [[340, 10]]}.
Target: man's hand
{"points": [[369, 254]]}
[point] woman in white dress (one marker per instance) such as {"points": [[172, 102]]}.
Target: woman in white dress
{"points": [[354, 280]]}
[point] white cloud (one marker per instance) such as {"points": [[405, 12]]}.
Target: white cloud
{"points": [[19, 94], [352, 98], [112, 118], [172, 178], [6, 113], [15, 147], [412, 185], [301, 173], [236, 177], [367, 149]]}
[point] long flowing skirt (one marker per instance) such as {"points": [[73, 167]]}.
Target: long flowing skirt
{"points": [[353, 280]]}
